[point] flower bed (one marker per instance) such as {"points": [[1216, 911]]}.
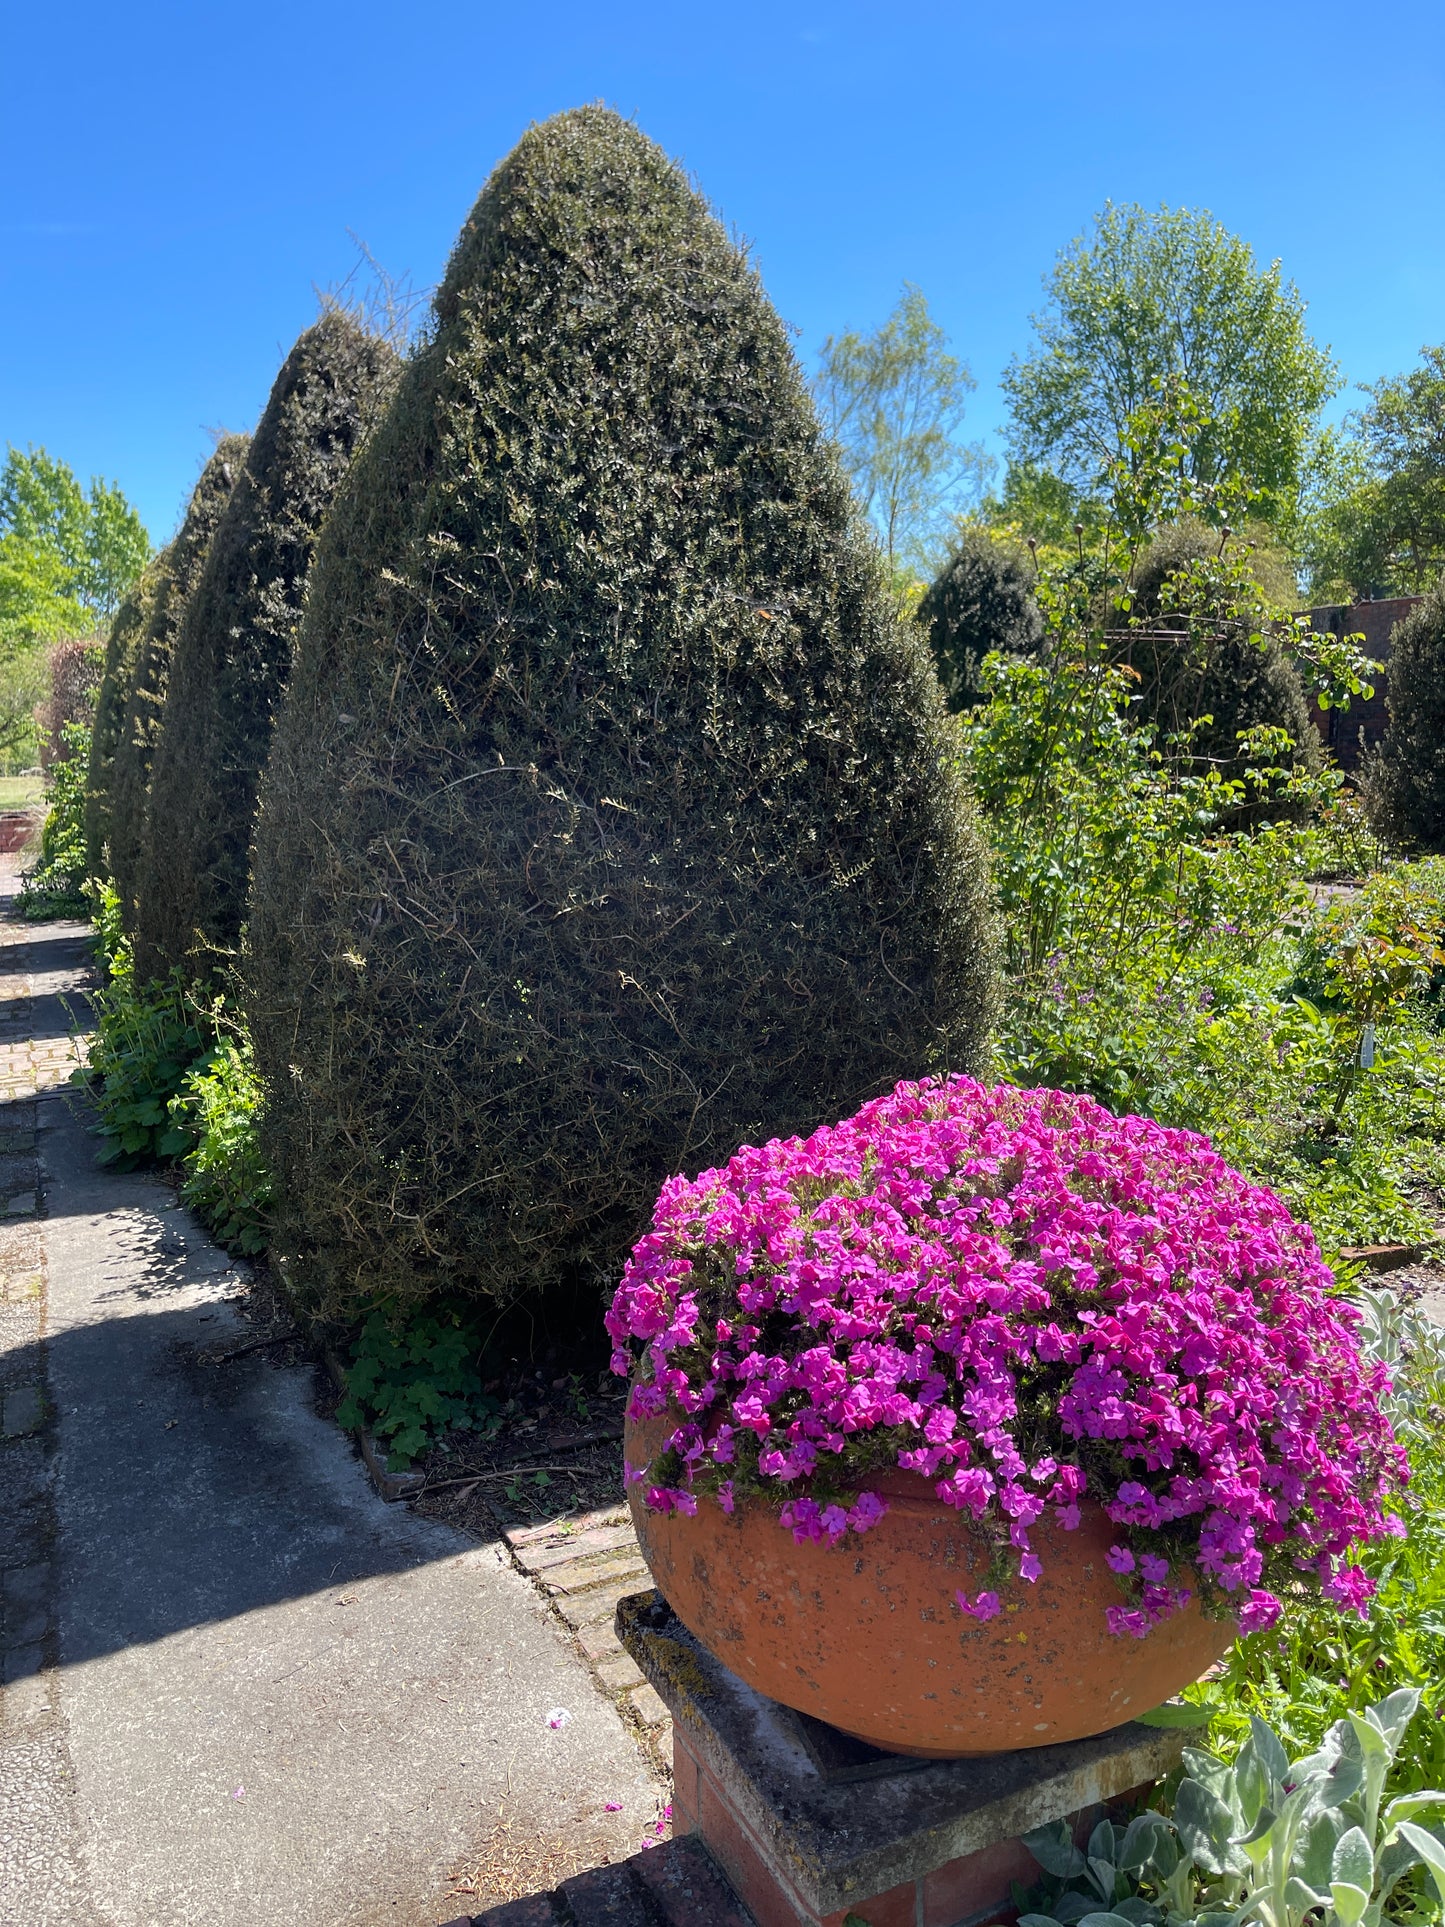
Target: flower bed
{"points": [[1028, 1300]]}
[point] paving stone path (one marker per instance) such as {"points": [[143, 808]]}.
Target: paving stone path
{"points": [[237, 1687]]}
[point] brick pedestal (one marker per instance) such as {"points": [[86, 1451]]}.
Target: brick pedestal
{"points": [[811, 1827]]}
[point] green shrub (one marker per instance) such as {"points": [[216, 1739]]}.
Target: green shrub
{"points": [[54, 888], [234, 647], [178, 572], [1313, 1667], [1405, 780], [981, 600], [411, 1379], [1195, 614], [147, 1039], [122, 650], [609, 819], [226, 1182]]}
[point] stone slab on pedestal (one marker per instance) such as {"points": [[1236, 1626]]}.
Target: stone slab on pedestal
{"points": [[811, 1826]]}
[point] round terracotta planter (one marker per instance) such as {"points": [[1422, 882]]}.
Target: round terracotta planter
{"points": [[866, 1635]]}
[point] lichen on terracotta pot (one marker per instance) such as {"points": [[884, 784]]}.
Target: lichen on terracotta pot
{"points": [[985, 1418]]}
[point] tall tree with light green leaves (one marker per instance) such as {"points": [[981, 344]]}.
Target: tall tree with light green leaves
{"points": [[68, 555], [1153, 295], [1375, 522], [894, 402]]}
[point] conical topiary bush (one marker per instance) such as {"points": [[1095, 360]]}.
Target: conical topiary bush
{"points": [[112, 698], [176, 579], [982, 599], [233, 651], [610, 819], [1405, 779], [1238, 685]]}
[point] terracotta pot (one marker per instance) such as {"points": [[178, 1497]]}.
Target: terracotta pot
{"points": [[866, 1634]]}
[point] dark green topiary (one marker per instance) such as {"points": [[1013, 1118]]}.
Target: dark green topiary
{"points": [[130, 769], [1233, 680], [122, 651], [1405, 781], [982, 599], [234, 649], [610, 819]]}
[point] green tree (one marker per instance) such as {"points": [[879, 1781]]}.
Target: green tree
{"points": [[1376, 518], [67, 556], [1150, 296], [894, 401]]}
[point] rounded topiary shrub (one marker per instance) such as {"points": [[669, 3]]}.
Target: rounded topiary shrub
{"points": [[122, 649], [233, 651], [1233, 681], [610, 819], [981, 600], [145, 694], [1405, 781]]}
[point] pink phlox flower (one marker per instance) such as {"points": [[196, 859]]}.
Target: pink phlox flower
{"points": [[1119, 1559], [1030, 1567], [986, 1606], [916, 1265]]}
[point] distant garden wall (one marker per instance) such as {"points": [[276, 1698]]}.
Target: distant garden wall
{"points": [[1351, 733]]}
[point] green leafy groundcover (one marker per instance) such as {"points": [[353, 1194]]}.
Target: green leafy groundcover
{"points": [[173, 1080], [56, 887], [1305, 1673], [412, 1379]]}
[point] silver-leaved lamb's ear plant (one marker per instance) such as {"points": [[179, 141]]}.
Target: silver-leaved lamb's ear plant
{"points": [[1263, 1839]]}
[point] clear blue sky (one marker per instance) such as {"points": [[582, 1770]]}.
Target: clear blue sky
{"points": [[182, 175]]}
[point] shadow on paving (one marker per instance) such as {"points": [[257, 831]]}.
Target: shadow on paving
{"points": [[29, 954], [191, 1487]]}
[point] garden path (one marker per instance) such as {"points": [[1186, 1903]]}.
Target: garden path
{"points": [[237, 1686]]}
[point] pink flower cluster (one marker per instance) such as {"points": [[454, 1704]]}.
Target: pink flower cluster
{"points": [[1030, 1302]]}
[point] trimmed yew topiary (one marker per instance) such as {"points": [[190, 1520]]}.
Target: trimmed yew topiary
{"points": [[610, 819], [178, 571], [981, 600], [122, 650], [1233, 681], [1405, 780], [233, 651]]}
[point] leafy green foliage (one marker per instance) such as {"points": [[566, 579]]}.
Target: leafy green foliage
{"points": [[1154, 907], [894, 401], [1205, 642], [1405, 781], [608, 821], [411, 1378], [54, 888], [226, 1182], [1260, 1837], [1304, 1674], [1376, 519], [67, 556], [147, 1040], [1150, 296]]}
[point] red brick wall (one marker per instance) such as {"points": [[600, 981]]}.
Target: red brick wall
{"points": [[1348, 733]]}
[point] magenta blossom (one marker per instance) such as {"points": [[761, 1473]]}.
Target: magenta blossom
{"points": [[1031, 1303]]}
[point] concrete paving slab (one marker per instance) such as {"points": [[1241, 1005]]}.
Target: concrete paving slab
{"points": [[285, 1700], [262, 1695]]}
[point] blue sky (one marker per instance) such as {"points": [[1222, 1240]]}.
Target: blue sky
{"points": [[182, 175]]}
